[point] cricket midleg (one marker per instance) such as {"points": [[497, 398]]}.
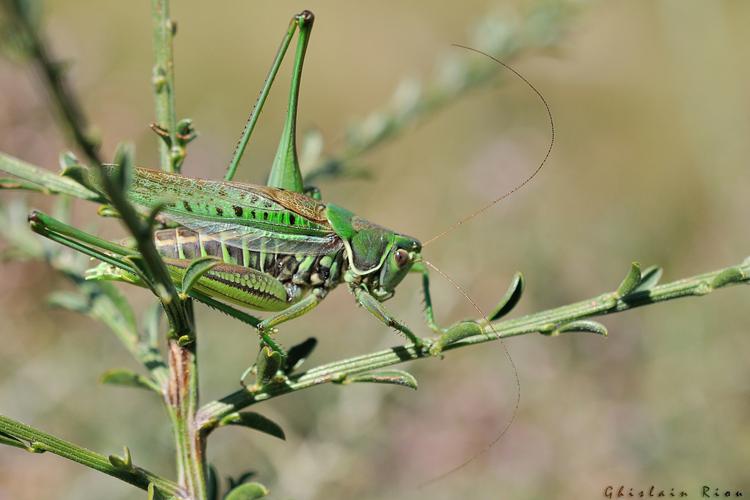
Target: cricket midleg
{"points": [[447, 335], [307, 304]]}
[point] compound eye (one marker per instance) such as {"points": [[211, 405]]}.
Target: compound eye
{"points": [[402, 257]]}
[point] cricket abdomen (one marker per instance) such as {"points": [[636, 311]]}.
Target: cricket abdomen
{"points": [[296, 274]]}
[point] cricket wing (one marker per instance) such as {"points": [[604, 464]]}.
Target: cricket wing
{"points": [[260, 240], [263, 207]]}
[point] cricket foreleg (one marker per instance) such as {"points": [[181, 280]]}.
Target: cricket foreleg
{"points": [[376, 308]]}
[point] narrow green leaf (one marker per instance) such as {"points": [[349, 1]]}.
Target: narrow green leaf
{"points": [[233, 482], [396, 377], [125, 462], [139, 269], [247, 491], [584, 326], [268, 364], [299, 353], [254, 421], [649, 278], [727, 276], [127, 378], [70, 301], [124, 163], [154, 493], [510, 299], [128, 456], [196, 269], [13, 183], [71, 168], [68, 159], [9, 440], [631, 281], [455, 333], [45, 178]]}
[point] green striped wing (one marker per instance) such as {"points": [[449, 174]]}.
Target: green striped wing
{"points": [[245, 216]]}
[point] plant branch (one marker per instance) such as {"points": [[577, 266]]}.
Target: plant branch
{"points": [[550, 322], [17, 434], [180, 391], [181, 394], [73, 119], [164, 30]]}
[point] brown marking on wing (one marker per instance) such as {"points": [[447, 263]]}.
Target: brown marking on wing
{"points": [[296, 202]]}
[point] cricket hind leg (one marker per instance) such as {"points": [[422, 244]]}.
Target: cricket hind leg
{"points": [[285, 171]]}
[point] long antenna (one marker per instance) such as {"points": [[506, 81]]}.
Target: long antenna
{"points": [[463, 292], [530, 177], [517, 404]]}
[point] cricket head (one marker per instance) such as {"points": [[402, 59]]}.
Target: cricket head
{"points": [[378, 257]]}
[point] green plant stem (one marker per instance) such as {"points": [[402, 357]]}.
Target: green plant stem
{"points": [[181, 394], [181, 390], [542, 322], [73, 118], [36, 441], [163, 81]]}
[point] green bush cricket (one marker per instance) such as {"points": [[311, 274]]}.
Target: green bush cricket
{"points": [[276, 248]]}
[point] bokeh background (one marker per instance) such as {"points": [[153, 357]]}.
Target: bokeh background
{"points": [[652, 112]]}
